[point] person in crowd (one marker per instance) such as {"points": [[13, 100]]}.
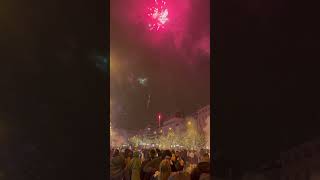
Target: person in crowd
{"points": [[134, 166], [202, 171], [146, 153], [152, 155], [190, 156], [202, 152], [196, 156], [122, 152], [164, 170], [128, 156], [179, 164], [153, 166], [128, 153], [173, 151], [117, 165], [173, 162], [184, 155], [158, 152], [141, 155]]}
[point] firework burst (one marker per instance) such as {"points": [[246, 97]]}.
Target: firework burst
{"points": [[158, 15]]}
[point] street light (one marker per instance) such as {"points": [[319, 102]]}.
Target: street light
{"points": [[170, 128], [189, 122]]}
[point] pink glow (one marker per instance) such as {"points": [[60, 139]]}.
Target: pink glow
{"points": [[178, 27], [158, 15]]}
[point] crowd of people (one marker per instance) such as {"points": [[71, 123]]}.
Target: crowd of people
{"points": [[156, 164]]}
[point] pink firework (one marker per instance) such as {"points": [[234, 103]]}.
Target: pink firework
{"points": [[158, 15]]}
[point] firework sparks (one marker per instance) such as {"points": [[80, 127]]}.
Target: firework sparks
{"points": [[143, 81], [148, 102], [158, 15]]}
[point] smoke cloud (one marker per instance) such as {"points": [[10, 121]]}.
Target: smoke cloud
{"points": [[117, 138]]}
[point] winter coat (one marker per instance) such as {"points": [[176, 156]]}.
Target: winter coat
{"points": [[127, 170], [152, 166], [179, 167], [185, 156], [117, 168], [134, 167], [173, 166], [144, 175]]}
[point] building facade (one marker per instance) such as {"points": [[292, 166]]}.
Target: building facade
{"points": [[177, 123], [174, 123], [200, 117]]}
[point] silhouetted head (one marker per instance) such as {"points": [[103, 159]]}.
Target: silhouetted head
{"points": [[166, 154], [152, 153]]}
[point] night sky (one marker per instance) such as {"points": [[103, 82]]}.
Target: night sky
{"points": [[175, 62]]}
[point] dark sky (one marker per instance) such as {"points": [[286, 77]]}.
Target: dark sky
{"points": [[177, 81], [265, 78]]}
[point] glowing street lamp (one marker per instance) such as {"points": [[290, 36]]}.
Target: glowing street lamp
{"points": [[189, 122]]}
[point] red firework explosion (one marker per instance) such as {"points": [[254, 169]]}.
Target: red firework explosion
{"points": [[158, 15]]}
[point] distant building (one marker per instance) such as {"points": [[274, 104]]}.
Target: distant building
{"points": [[150, 132], [176, 123], [131, 133], [173, 123], [200, 117]]}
